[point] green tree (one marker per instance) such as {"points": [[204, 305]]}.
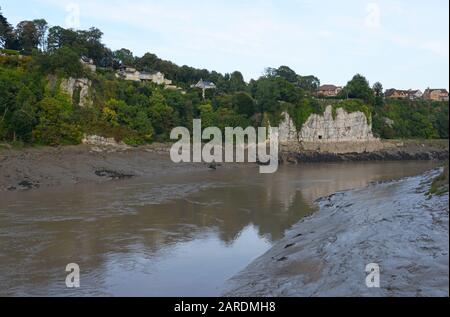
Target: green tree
{"points": [[90, 44], [237, 82], [6, 32], [27, 36], [378, 89], [162, 116], [125, 56], [358, 88], [63, 61], [56, 126], [244, 104], [287, 73], [41, 28], [309, 83], [59, 37]]}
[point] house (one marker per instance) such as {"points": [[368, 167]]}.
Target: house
{"points": [[329, 90], [88, 63], [435, 94], [415, 94], [396, 93], [155, 77], [403, 94], [204, 85], [130, 73]]}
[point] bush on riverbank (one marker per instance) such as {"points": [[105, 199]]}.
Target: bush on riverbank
{"points": [[440, 183]]}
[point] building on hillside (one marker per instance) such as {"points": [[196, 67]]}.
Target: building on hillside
{"points": [[435, 94], [129, 73], [204, 85], [132, 74], [88, 63], [415, 94], [329, 90], [155, 77], [403, 94]]}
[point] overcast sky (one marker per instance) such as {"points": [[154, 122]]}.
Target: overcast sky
{"points": [[402, 43]]}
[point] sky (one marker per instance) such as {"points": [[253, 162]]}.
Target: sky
{"points": [[401, 43]]}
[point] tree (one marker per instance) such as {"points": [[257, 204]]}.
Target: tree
{"points": [[6, 32], [63, 61], [126, 57], [378, 89], [271, 90], [161, 114], [27, 35], [56, 126], [237, 82], [59, 37], [41, 28], [287, 73], [309, 83], [90, 44], [358, 88], [244, 104]]}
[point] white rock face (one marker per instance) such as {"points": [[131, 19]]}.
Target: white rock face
{"points": [[286, 130], [71, 84], [346, 127], [100, 143]]}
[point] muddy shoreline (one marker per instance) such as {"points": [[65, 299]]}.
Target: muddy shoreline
{"points": [[34, 168], [406, 150], [394, 224]]}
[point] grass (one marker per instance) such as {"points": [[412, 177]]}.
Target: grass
{"points": [[439, 186]]}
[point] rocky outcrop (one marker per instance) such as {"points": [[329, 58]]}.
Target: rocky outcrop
{"points": [[344, 127], [100, 144], [73, 86]]}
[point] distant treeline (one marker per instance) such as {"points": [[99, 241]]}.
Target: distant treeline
{"points": [[34, 110]]}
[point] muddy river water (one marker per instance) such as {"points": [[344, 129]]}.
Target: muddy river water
{"points": [[181, 235]]}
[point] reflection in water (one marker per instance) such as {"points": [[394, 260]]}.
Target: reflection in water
{"points": [[178, 236]]}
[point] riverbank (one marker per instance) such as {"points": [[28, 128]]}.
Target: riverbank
{"points": [[33, 168], [377, 150], [101, 161], [394, 224]]}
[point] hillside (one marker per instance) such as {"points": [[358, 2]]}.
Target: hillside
{"points": [[47, 96]]}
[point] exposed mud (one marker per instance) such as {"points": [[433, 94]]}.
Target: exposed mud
{"points": [[46, 167], [394, 224], [388, 151]]}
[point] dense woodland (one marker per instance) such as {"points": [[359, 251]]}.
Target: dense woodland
{"points": [[34, 110]]}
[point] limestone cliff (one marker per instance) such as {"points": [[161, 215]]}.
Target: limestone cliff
{"points": [[75, 86], [344, 127]]}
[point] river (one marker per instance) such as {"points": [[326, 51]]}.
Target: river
{"points": [[179, 235]]}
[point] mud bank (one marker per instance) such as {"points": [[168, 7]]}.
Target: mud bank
{"points": [[393, 224], [364, 151], [46, 167]]}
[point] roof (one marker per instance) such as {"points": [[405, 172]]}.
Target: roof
{"points": [[441, 90], [328, 87], [390, 92], [205, 84]]}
